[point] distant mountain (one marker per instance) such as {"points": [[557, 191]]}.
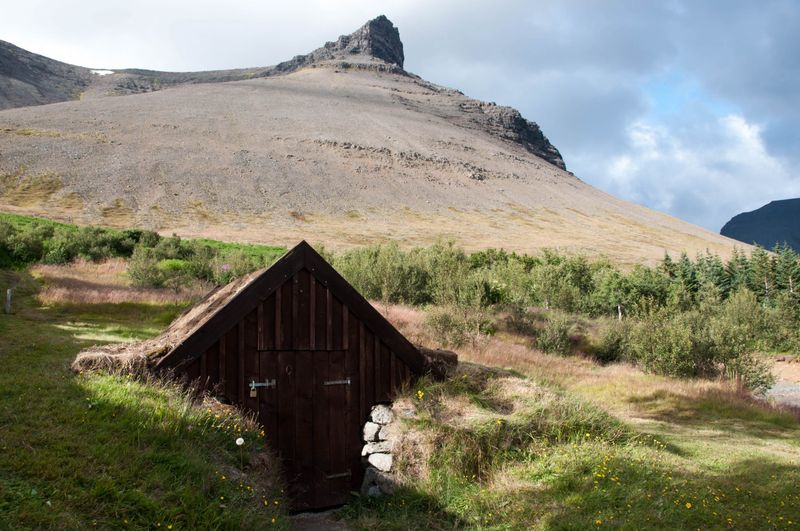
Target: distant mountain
{"points": [[772, 224], [342, 146], [30, 79]]}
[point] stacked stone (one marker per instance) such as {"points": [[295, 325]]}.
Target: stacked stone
{"points": [[377, 452]]}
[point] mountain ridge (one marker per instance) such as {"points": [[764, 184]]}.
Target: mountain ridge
{"points": [[773, 224], [343, 147]]}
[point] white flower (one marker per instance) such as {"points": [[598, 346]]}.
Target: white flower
{"points": [[239, 441]]}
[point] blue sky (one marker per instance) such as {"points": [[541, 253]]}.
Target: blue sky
{"points": [[689, 107]]}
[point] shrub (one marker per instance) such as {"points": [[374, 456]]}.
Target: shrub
{"points": [[174, 273], [554, 338], [665, 345], [143, 268], [612, 344], [455, 326]]}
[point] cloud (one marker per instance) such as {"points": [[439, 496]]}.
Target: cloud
{"points": [[702, 172]]}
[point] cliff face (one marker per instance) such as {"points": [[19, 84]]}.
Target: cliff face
{"points": [[774, 223]]}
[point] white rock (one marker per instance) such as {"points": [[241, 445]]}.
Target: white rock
{"points": [[371, 431], [382, 414], [382, 462], [376, 448]]}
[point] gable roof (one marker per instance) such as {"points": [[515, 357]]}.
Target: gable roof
{"points": [[233, 302]]}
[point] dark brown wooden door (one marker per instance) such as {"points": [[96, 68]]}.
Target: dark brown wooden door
{"points": [[305, 416]]}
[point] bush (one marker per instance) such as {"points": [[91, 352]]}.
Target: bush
{"points": [[554, 338], [455, 326], [666, 345], [174, 273], [612, 344], [143, 269]]}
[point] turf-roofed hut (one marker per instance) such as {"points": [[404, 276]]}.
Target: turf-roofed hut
{"points": [[299, 346]]}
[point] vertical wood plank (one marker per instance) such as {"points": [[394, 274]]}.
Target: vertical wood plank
{"points": [[286, 415], [287, 314], [251, 361], [278, 313], [393, 374], [321, 427], [338, 488], [329, 319], [231, 366], [268, 400], [260, 345], [204, 369], [362, 375], [312, 313], [241, 356], [223, 380], [269, 323], [369, 368], [338, 327], [295, 330], [353, 403], [386, 373], [302, 325], [377, 375], [321, 317], [304, 428]]}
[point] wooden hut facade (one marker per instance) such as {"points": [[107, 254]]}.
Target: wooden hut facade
{"points": [[302, 348]]}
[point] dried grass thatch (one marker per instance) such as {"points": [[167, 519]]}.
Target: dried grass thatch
{"points": [[139, 356]]}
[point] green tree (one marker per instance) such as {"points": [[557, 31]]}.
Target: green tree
{"points": [[760, 278]]}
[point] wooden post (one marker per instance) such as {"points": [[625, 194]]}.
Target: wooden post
{"points": [[9, 295]]}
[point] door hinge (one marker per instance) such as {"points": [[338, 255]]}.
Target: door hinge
{"points": [[337, 382]]}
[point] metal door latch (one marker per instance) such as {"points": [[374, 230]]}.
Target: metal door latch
{"points": [[337, 382], [339, 475], [254, 385]]}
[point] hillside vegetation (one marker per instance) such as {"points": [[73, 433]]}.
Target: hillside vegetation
{"points": [[561, 415]]}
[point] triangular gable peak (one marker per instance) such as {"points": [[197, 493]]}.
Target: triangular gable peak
{"points": [[269, 283]]}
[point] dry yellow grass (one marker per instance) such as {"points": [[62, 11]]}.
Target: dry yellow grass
{"points": [[619, 388], [85, 282]]}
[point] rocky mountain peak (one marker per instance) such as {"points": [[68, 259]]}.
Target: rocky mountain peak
{"points": [[377, 39]]}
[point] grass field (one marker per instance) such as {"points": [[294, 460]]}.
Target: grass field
{"points": [[106, 451], [546, 442]]}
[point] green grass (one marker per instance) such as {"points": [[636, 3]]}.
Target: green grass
{"points": [[108, 451], [253, 250], [556, 462], [268, 252], [20, 221]]}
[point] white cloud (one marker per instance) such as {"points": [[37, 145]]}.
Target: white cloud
{"points": [[704, 174]]}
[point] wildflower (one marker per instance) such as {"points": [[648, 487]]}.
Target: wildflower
{"points": [[598, 522], [420, 394], [688, 505], [239, 441]]}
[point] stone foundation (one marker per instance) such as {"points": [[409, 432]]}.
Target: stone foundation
{"points": [[377, 452]]}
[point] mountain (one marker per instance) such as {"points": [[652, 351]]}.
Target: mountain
{"points": [[30, 79], [775, 223], [341, 146]]}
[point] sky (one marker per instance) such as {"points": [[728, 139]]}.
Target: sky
{"points": [[688, 107]]}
